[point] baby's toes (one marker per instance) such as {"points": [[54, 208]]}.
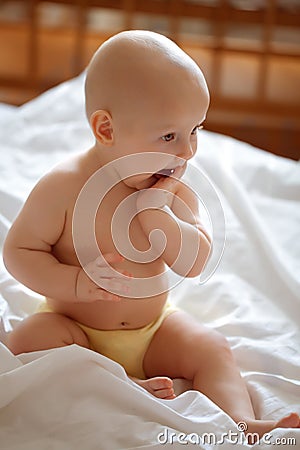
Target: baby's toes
{"points": [[161, 387], [160, 382], [166, 394]]}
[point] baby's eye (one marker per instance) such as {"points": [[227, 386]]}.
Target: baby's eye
{"points": [[168, 137], [197, 128]]}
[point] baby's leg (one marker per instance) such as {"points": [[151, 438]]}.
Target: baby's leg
{"points": [[43, 331], [183, 348]]}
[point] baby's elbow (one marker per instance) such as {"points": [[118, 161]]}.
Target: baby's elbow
{"points": [[6, 257], [191, 262], [201, 259], [9, 254]]}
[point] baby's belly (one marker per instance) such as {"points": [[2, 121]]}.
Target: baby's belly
{"points": [[108, 315], [149, 294]]}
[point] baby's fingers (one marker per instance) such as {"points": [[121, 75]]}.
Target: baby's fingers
{"points": [[101, 294], [107, 296], [117, 287], [109, 272], [108, 258]]}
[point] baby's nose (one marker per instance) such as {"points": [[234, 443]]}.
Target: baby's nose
{"points": [[187, 151]]}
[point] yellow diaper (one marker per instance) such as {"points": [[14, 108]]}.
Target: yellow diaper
{"points": [[127, 347]]}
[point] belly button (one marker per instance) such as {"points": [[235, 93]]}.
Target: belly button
{"points": [[124, 324]]}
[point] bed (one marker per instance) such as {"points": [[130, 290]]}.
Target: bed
{"points": [[73, 398]]}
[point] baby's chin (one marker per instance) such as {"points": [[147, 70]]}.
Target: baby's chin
{"points": [[145, 183], [139, 184]]}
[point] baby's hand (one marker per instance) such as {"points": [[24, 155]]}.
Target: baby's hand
{"points": [[98, 280], [161, 193]]}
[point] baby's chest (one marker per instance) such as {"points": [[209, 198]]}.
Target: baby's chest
{"points": [[112, 226], [117, 226]]}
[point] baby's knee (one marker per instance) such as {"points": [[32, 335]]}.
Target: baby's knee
{"points": [[18, 340], [210, 345], [217, 345], [43, 331], [205, 348]]}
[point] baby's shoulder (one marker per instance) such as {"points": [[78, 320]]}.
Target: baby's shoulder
{"points": [[58, 188], [66, 176], [65, 180]]}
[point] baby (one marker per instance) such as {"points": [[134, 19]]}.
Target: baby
{"points": [[145, 101]]}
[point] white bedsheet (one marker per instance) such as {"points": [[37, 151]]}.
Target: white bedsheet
{"points": [[72, 398]]}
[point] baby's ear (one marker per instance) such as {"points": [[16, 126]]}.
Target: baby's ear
{"points": [[101, 124]]}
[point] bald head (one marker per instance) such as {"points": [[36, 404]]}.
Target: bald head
{"points": [[131, 67]]}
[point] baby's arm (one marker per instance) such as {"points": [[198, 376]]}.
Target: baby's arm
{"points": [[28, 247], [174, 210]]}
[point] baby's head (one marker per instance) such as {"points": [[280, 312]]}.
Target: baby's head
{"points": [[141, 87]]}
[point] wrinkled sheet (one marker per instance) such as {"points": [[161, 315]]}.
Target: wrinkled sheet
{"points": [[72, 398]]}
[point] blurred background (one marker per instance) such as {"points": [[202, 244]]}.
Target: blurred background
{"points": [[249, 51]]}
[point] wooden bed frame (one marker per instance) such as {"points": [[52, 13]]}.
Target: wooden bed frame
{"points": [[257, 117]]}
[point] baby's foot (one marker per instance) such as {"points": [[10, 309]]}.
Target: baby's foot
{"points": [[260, 427], [290, 421], [160, 387]]}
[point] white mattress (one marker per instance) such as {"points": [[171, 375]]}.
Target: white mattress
{"points": [[73, 398]]}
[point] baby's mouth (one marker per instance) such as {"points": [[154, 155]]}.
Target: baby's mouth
{"points": [[164, 173]]}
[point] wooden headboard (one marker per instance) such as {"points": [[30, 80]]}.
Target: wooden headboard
{"points": [[248, 49]]}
